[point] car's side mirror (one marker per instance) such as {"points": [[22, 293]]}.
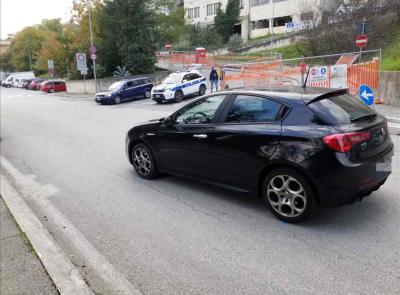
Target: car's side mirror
{"points": [[168, 121], [184, 81]]}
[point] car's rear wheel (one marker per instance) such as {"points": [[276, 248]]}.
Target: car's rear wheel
{"points": [[178, 96], [202, 90], [147, 94], [289, 195], [143, 161], [117, 100]]}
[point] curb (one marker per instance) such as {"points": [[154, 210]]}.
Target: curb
{"points": [[65, 276]]}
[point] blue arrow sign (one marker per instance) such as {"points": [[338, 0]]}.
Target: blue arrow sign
{"points": [[366, 94]]}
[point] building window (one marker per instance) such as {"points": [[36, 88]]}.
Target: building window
{"points": [[258, 2], [190, 13], [193, 12], [213, 8], [260, 24], [281, 21]]}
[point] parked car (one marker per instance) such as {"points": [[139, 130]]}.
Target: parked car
{"points": [[14, 78], [125, 90], [53, 86], [35, 84], [179, 85], [298, 148], [15, 82], [27, 83]]}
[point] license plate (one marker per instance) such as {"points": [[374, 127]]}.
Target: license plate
{"points": [[384, 166], [157, 95]]}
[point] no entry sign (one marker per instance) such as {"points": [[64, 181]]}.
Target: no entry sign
{"points": [[361, 41]]}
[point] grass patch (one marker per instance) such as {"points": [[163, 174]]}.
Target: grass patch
{"points": [[391, 55]]}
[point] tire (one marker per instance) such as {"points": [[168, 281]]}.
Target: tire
{"points": [[178, 96], [202, 90], [117, 100], [143, 161], [51, 90], [289, 195], [147, 94]]}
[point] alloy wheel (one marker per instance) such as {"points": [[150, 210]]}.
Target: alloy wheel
{"points": [[142, 161], [286, 196]]}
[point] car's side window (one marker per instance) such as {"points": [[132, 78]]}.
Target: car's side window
{"points": [[253, 109], [201, 112], [186, 77], [128, 84]]}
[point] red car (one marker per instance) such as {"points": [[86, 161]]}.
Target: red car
{"points": [[53, 86], [35, 84]]}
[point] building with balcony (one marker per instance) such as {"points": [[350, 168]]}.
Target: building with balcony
{"points": [[257, 17]]}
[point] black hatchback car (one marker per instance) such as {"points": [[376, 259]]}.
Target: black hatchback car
{"points": [[298, 148]]}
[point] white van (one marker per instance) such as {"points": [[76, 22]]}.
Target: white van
{"points": [[14, 78]]}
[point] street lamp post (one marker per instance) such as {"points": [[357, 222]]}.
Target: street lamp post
{"points": [[272, 27], [91, 41]]}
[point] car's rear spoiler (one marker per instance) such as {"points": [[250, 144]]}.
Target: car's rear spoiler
{"points": [[333, 92]]}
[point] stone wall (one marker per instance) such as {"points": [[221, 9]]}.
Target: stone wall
{"points": [[89, 86], [389, 88]]}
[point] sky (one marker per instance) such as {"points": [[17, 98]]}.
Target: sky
{"points": [[17, 14]]}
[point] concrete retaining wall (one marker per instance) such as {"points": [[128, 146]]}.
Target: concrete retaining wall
{"points": [[89, 86], [389, 88]]}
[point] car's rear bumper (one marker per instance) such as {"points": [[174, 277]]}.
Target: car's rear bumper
{"points": [[342, 185]]}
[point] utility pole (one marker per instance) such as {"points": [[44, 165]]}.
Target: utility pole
{"points": [[272, 27], [30, 58], [91, 40]]}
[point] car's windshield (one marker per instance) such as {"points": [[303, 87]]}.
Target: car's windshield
{"points": [[172, 79], [116, 85]]}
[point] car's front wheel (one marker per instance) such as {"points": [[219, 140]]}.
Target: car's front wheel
{"points": [[202, 90], [178, 96], [289, 195], [117, 100], [143, 161], [147, 94]]}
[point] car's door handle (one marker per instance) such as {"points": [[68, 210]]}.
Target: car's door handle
{"points": [[201, 136]]}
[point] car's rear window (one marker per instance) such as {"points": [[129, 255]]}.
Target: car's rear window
{"points": [[341, 109]]}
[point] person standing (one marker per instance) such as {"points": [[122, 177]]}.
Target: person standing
{"points": [[214, 79]]}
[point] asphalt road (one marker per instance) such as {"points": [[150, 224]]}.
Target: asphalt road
{"points": [[175, 236]]}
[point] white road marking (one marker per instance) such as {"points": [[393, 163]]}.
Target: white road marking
{"points": [[40, 193], [394, 125]]}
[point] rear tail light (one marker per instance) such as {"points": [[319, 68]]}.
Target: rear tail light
{"points": [[344, 142]]}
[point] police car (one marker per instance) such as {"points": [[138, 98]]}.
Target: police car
{"points": [[179, 85]]}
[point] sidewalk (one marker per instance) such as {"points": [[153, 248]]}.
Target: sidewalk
{"points": [[391, 112], [21, 271]]}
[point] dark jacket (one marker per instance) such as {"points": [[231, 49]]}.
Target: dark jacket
{"points": [[213, 75]]}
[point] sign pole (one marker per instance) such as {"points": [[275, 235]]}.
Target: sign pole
{"points": [[362, 33], [91, 42]]}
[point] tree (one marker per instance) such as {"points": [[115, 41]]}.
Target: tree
{"points": [[25, 47], [225, 21], [127, 36]]}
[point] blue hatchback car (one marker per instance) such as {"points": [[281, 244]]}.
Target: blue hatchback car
{"points": [[125, 90]]}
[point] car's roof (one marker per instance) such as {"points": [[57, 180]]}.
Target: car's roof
{"points": [[291, 92]]}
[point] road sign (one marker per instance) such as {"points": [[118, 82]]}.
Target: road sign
{"points": [[81, 62], [83, 71], [93, 56], [318, 74], [361, 41], [50, 64], [92, 49], [366, 94]]}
